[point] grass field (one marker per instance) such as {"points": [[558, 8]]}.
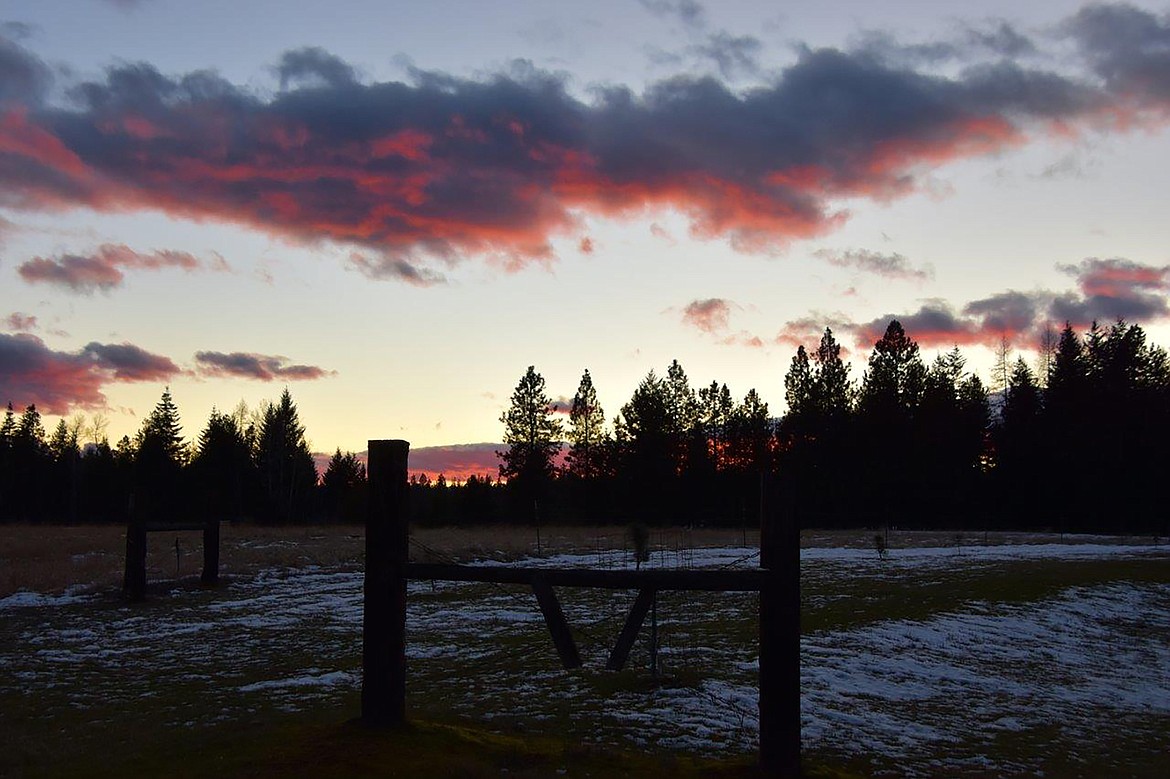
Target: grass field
{"points": [[996, 656]]}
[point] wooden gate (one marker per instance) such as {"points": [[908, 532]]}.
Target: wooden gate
{"points": [[388, 569], [134, 576]]}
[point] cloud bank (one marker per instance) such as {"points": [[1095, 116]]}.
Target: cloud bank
{"points": [[1107, 290], [416, 176]]}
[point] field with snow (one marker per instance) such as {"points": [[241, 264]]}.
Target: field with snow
{"points": [[1028, 655]]}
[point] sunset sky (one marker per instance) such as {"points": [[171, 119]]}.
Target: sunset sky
{"points": [[393, 208]]}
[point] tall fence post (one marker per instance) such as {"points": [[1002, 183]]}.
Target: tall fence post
{"points": [[384, 612], [779, 637], [210, 574]]}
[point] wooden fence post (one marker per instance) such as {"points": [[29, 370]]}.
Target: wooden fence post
{"points": [[384, 611], [210, 573], [779, 638], [134, 577]]}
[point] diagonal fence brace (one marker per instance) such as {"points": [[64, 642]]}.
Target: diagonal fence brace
{"points": [[557, 626], [625, 642]]}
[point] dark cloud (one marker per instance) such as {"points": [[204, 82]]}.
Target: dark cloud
{"points": [[21, 322], [383, 268], [102, 270], [1009, 314], [711, 315], [1128, 47], [31, 372], [23, 76], [933, 324], [261, 367], [890, 265], [412, 175], [127, 362], [313, 66]]}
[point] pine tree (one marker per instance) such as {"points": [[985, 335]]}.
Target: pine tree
{"points": [[750, 435], [7, 464], [714, 423], [223, 466], [891, 392], [162, 432], [344, 485], [586, 433], [688, 448], [287, 474], [533, 436], [8, 428], [647, 441], [159, 456], [895, 379], [832, 393], [799, 394]]}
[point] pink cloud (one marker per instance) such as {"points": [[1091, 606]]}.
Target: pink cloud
{"points": [[31, 372], [21, 322], [444, 167], [711, 315]]}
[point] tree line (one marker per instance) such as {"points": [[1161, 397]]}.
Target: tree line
{"points": [[1079, 443], [246, 464]]}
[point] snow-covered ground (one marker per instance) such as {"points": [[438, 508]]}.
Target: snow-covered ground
{"points": [[984, 687]]}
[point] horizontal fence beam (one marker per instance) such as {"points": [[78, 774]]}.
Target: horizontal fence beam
{"points": [[653, 579]]}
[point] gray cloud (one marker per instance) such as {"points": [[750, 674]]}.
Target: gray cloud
{"points": [[314, 67], [102, 270], [261, 367], [890, 265]]}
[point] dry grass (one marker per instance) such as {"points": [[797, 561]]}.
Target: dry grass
{"points": [[55, 558]]}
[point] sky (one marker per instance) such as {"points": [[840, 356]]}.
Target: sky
{"points": [[393, 208]]}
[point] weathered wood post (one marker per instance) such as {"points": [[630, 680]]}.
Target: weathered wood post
{"points": [[134, 577], [779, 638], [384, 612], [210, 573]]}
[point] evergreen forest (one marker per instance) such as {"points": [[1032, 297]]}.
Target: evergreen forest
{"points": [[1075, 442]]}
